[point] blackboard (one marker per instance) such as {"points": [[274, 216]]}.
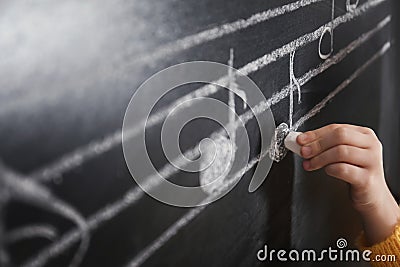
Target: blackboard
{"points": [[69, 70]]}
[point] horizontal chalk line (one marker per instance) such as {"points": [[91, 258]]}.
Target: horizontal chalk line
{"points": [[31, 231], [188, 42], [342, 86], [108, 212], [27, 191], [136, 193], [77, 157], [186, 219], [219, 31]]}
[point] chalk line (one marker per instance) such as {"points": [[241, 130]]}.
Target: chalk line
{"points": [[293, 80], [221, 152], [306, 39], [31, 231], [219, 31], [342, 86], [77, 157], [110, 211], [327, 63], [22, 189], [186, 219], [193, 40], [133, 195]]}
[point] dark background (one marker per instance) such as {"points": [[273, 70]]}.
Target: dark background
{"points": [[68, 71]]}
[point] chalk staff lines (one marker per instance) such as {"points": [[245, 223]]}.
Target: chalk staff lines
{"points": [[191, 41], [76, 158], [208, 35], [136, 193], [340, 88], [188, 217]]}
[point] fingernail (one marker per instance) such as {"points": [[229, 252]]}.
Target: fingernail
{"points": [[302, 137], [306, 151], [306, 164]]}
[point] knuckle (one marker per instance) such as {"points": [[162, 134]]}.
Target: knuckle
{"points": [[333, 126], [341, 134], [316, 147], [342, 170], [312, 135], [369, 131]]}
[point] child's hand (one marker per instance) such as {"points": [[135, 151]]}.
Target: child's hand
{"points": [[350, 153], [354, 155]]}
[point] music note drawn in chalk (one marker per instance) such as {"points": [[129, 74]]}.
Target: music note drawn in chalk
{"points": [[328, 29], [221, 153]]}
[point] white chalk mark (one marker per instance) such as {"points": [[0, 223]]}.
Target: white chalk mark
{"points": [[293, 80], [93, 149], [31, 231], [305, 39], [77, 157], [277, 149], [291, 89], [110, 211], [329, 62], [4, 257], [342, 86], [172, 48], [133, 195], [218, 32], [351, 6], [161, 240], [234, 88], [232, 85], [327, 29], [221, 151], [186, 219], [21, 189]]}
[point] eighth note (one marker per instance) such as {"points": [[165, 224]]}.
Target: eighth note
{"points": [[221, 152]]}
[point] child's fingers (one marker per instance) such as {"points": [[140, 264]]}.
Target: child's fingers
{"points": [[311, 136], [346, 172], [341, 153], [338, 136]]}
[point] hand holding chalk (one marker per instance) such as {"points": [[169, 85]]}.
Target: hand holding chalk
{"points": [[284, 140], [353, 154]]}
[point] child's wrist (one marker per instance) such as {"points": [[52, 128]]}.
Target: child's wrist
{"points": [[380, 219]]}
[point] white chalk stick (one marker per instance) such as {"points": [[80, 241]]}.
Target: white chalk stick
{"points": [[291, 143]]}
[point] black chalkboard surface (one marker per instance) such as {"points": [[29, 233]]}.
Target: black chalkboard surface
{"points": [[69, 70]]}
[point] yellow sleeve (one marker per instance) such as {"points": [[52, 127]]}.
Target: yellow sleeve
{"points": [[388, 249]]}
